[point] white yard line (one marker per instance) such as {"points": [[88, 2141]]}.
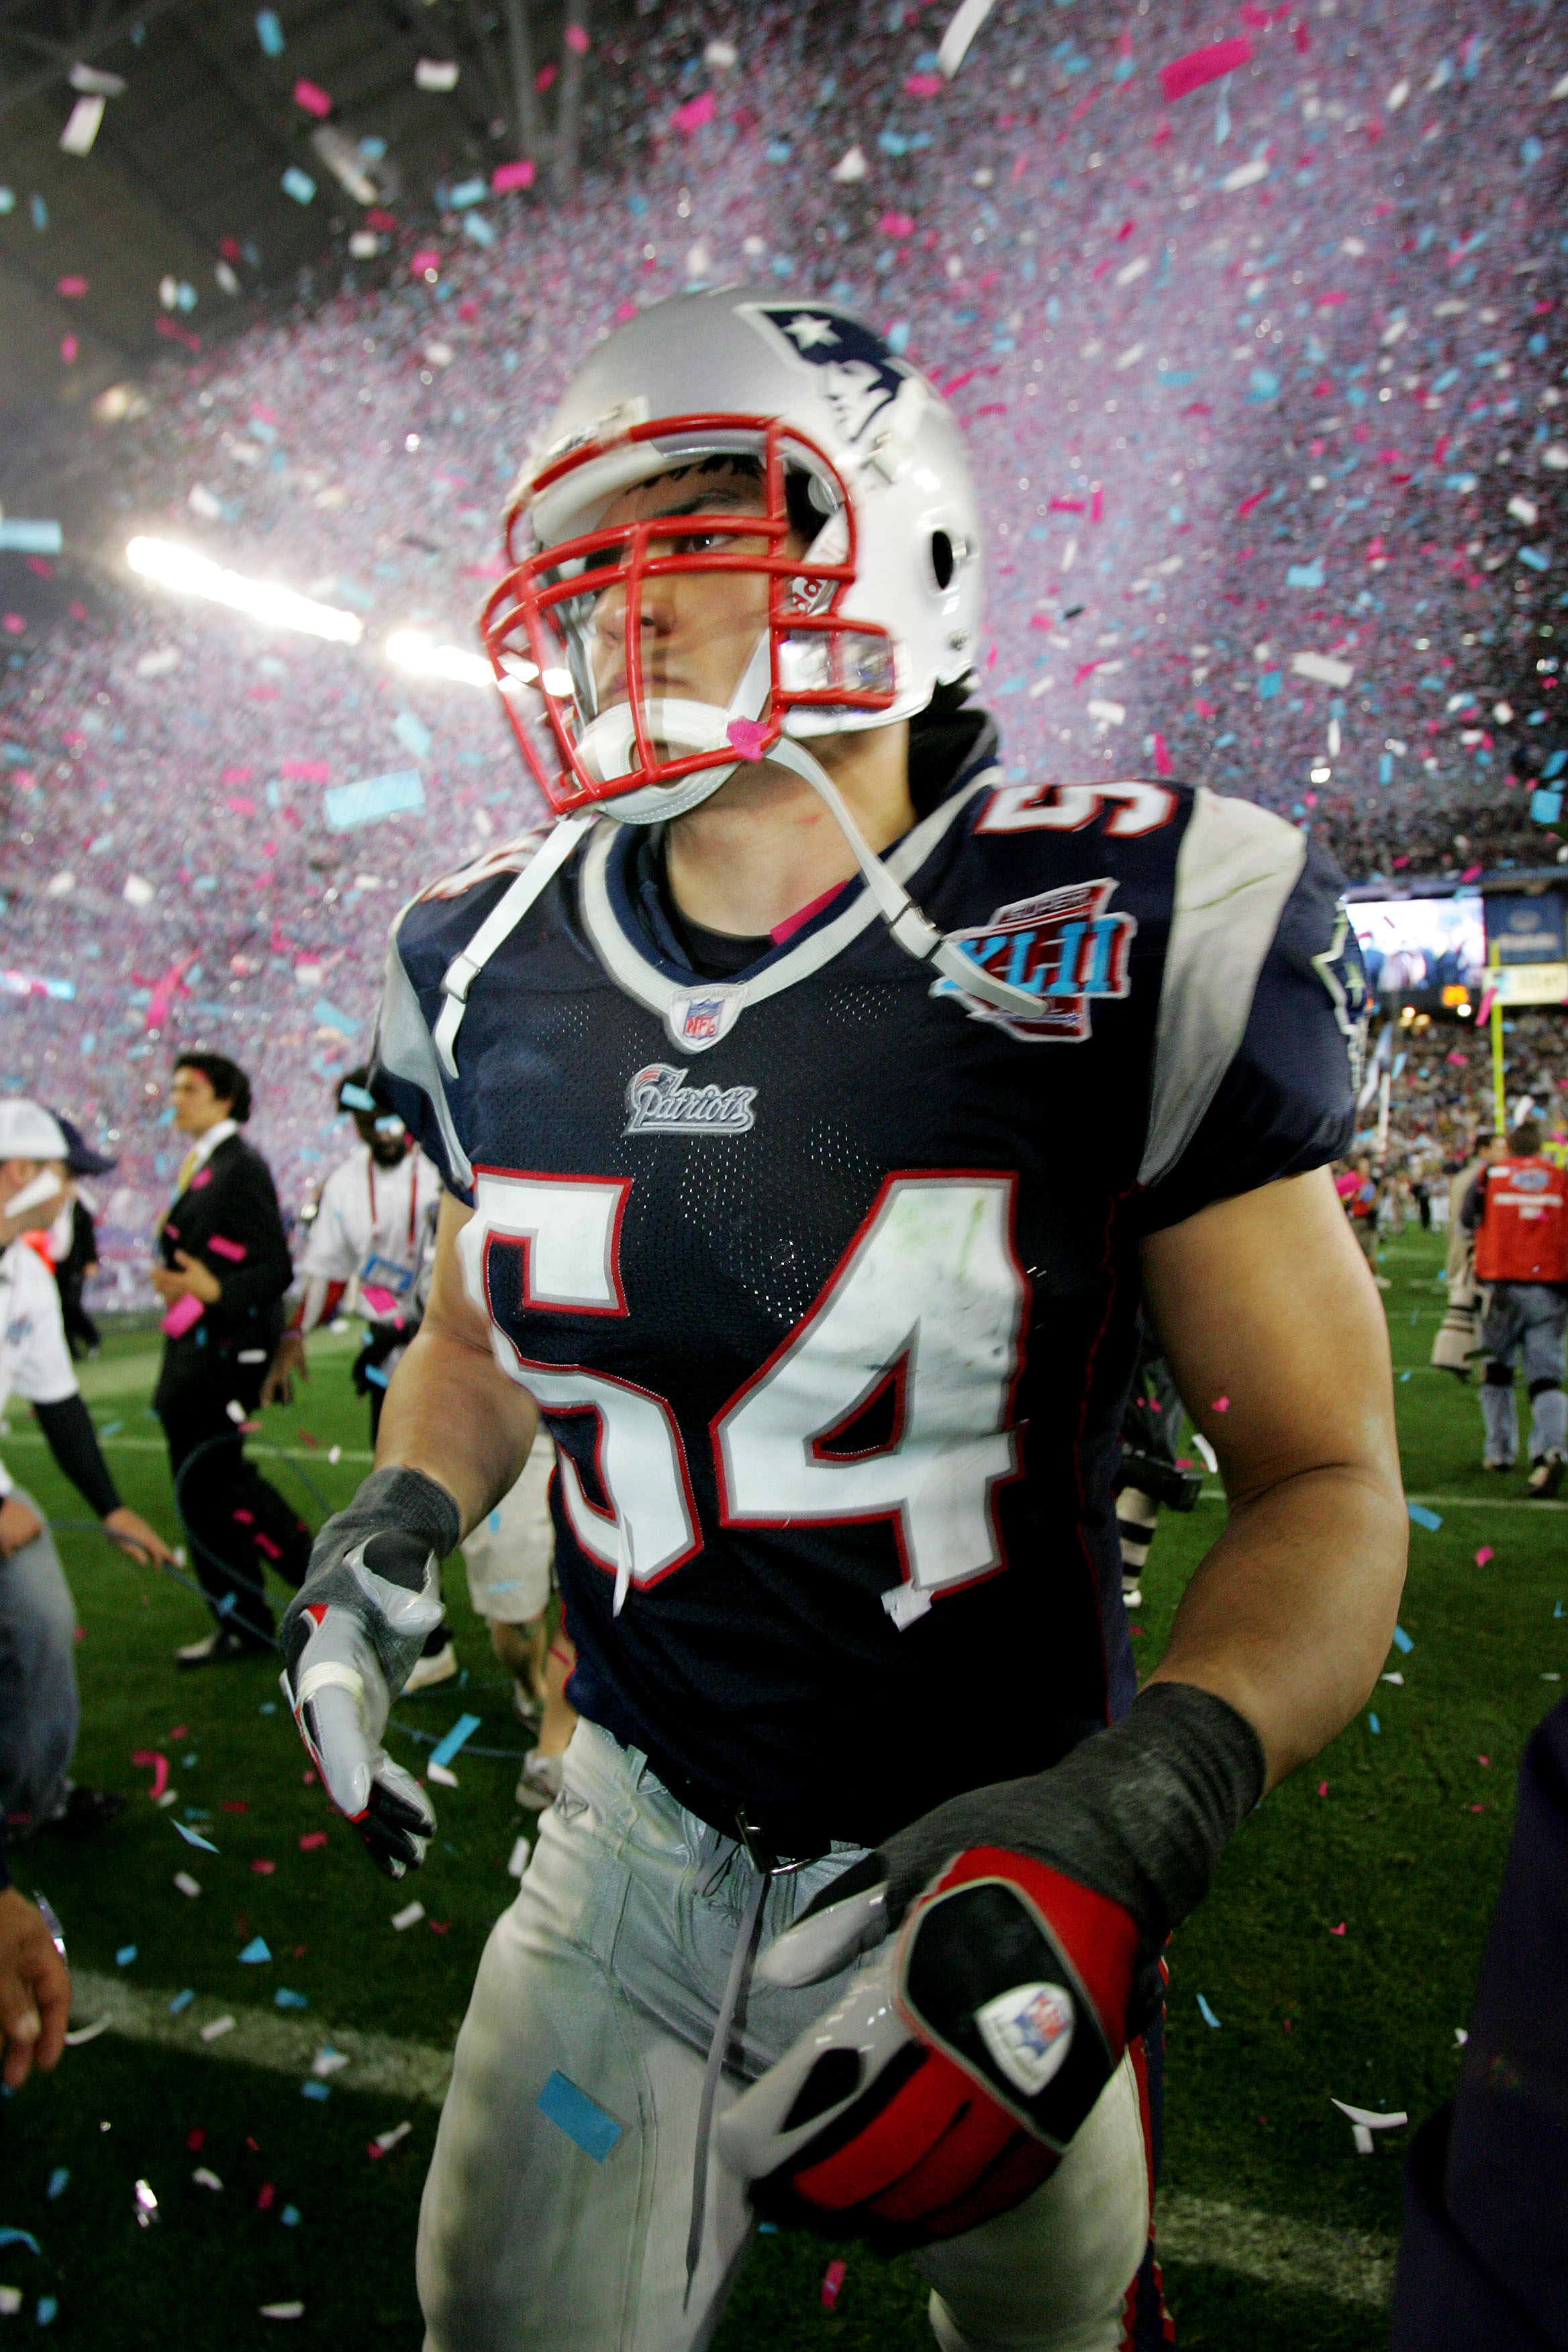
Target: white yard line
{"points": [[283, 2044], [1445, 1502], [1346, 2264], [1350, 2265], [157, 1445]]}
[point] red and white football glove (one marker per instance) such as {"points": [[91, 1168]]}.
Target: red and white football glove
{"points": [[1019, 1928], [944, 2084]]}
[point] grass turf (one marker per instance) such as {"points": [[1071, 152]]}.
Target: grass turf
{"points": [[1403, 1852]]}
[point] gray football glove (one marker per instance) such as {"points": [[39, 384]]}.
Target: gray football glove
{"points": [[350, 1636]]}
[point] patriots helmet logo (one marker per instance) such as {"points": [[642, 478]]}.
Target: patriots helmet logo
{"points": [[857, 373]]}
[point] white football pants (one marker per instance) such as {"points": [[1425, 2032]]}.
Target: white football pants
{"points": [[599, 1989]]}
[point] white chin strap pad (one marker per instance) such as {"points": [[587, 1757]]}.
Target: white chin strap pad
{"points": [[609, 746]]}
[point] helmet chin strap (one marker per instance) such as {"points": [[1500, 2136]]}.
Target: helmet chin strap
{"points": [[915, 933]]}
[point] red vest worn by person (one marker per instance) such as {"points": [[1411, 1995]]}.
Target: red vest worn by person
{"points": [[1523, 1232]]}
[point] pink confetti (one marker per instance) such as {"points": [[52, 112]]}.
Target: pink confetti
{"points": [[184, 1311], [232, 1251], [1484, 1552], [832, 2280], [1201, 65], [426, 258], [312, 1841], [694, 114], [1322, 1787], [748, 736], [896, 223], [922, 85], [305, 771], [313, 99], [1339, 1930], [506, 176], [160, 1764], [68, 349], [263, 1869], [1222, 1404], [577, 40], [73, 288]]}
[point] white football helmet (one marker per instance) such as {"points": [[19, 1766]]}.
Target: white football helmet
{"points": [[874, 605], [846, 439]]}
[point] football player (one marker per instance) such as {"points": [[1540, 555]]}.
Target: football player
{"points": [[763, 1087]]}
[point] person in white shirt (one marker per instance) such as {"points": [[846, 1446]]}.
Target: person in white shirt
{"points": [[38, 1707], [369, 1251]]}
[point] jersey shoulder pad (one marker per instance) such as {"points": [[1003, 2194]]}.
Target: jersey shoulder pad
{"points": [[438, 923], [506, 857]]}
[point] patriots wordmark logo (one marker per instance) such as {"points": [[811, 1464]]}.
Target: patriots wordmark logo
{"points": [[659, 1102], [1028, 2032], [1062, 947], [856, 372]]}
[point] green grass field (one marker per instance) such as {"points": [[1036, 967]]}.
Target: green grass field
{"points": [[1396, 1838]]}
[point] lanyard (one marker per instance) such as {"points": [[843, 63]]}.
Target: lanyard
{"points": [[413, 1199]]}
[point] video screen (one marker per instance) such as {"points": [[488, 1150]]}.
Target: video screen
{"points": [[1413, 947]]}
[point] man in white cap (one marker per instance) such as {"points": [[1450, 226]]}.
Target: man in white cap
{"points": [[38, 1707]]}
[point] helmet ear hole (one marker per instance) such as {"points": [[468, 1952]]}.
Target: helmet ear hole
{"points": [[943, 557]]}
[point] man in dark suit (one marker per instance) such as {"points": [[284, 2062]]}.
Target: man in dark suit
{"points": [[223, 1272], [78, 1259]]}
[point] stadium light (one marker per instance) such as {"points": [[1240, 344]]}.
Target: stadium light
{"points": [[196, 575], [411, 649]]}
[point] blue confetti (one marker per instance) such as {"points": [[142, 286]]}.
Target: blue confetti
{"points": [[463, 1729], [19, 2238], [1423, 1516], [284, 1998], [1208, 2014], [47, 2307], [181, 2002], [256, 1950], [314, 2090], [269, 33], [1374, 1722], [299, 184], [579, 2117], [1402, 1641], [191, 1837], [58, 2179], [289, 2217], [346, 805], [124, 1956]]}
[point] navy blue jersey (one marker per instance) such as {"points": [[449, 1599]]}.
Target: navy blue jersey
{"points": [[824, 1275]]}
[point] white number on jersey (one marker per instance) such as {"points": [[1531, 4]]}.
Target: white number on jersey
{"points": [[1067, 808], [930, 1299], [569, 1229]]}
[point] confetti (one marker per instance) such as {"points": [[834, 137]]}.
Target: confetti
{"points": [[1206, 2013], [579, 2117]]}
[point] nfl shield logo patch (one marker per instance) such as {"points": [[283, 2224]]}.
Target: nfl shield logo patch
{"points": [[699, 1019], [1028, 2032]]}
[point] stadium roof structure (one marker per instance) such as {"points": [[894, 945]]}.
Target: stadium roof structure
{"points": [[170, 168]]}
